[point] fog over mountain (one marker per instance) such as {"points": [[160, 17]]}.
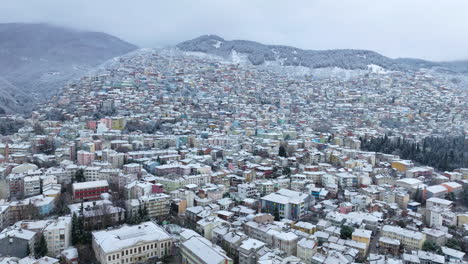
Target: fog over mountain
{"points": [[36, 59], [426, 29]]}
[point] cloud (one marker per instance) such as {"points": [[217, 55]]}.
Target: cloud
{"points": [[429, 29]]}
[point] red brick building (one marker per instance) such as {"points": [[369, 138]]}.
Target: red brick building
{"points": [[92, 190]]}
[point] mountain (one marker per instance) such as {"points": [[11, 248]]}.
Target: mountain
{"points": [[451, 67], [11, 97], [37, 59], [258, 54]]}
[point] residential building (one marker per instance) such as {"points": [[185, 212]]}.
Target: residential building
{"points": [[85, 191], [199, 250], [409, 239], [286, 204]]}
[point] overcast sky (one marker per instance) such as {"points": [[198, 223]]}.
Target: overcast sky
{"points": [[429, 29]]}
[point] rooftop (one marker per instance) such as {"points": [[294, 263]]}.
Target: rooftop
{"points": [[127, 236]]}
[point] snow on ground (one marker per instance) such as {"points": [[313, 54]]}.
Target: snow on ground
{"points": [[239, 58], [376, 69], [217, 44]]}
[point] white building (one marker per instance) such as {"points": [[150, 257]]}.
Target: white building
{"points": [[306, 249], [434, 201], [199, 250], [288, 204], [57, 232], [246, 190], [32, 185], [58, 235], [132, 244]]}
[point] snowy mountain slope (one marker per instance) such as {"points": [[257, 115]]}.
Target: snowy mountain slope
{"points": [[259, 54], [38, 59]]}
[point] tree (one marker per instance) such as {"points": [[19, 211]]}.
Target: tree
{"points": [[453, 243], [443, 153], [430, 246], [346, 232], [282, 152], [86, 253], [287, 171], [40, 247], [79, 175], [450, 196], [417, 195], [61, 204], [76, 230], [143, 213], [28, 251], [276, 214], [401, 223]]}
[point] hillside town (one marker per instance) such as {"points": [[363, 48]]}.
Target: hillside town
{"points": [[162, 156]]}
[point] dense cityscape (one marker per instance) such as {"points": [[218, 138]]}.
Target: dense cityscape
{"points": [[164, 156]]}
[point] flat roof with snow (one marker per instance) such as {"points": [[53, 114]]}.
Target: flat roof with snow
{"points": [[128, 236], [90, 184]]}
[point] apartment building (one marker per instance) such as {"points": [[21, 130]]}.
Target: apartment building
{"points": [[288, 204], [57, 232], [363, 236], [89, 190], [98, 214], [177, 169], [248, 251], [91, 173], [32, 185], [306, 249], [246, 190], [408, 238], [285, 241], [4, 216], [389, 245], [156, 204], [16, 185], [438, 202], [16, 242], [199, 250], [85, 157]]}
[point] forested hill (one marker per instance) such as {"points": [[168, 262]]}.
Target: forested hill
{"points": [[442, 153], [36, 59], [257, 54]]}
